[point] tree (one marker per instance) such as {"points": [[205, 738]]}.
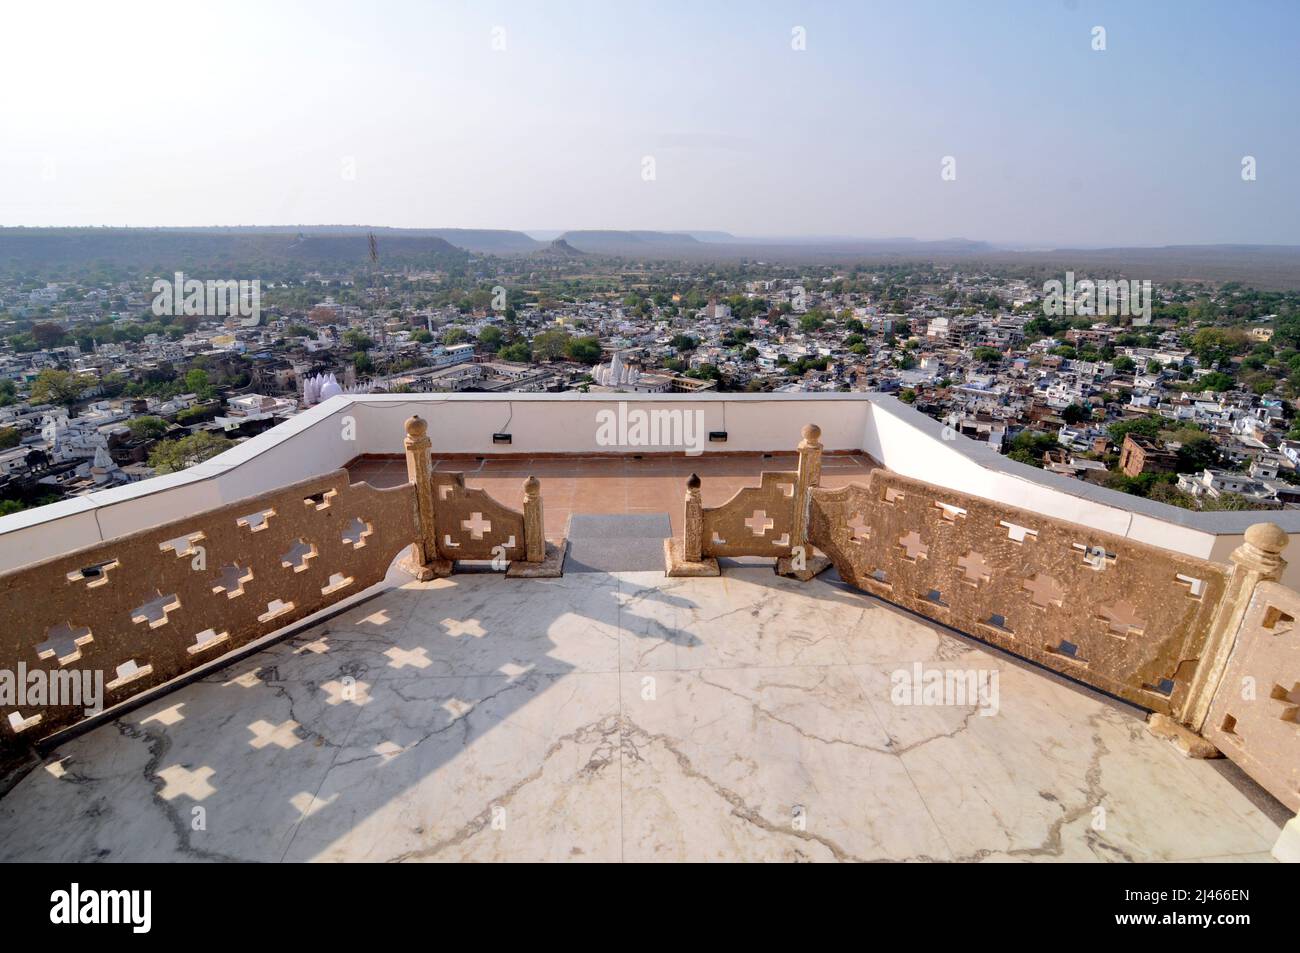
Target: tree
{"points": [[198, 382], [519, 352], [1216, 381], [8, 393], [1124, 364], [9, 438], [48, 335], [358, 341], [1075, 413], [59, 387], [147, 428], [491, 337], [549, 345], [584, 349], [1146, 428], [171, 456], [454, 336], [421, 336], [988, 355]]}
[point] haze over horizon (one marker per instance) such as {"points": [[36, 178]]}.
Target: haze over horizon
{"points": [[303, 113]]}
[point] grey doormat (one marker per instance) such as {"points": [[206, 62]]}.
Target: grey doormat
{"points": [[616, 543]]}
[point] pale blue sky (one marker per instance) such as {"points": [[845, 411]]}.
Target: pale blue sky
{"points": [[147, 113]]}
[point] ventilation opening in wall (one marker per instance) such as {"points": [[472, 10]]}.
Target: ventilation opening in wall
{"points": [[501, 438], [720, 436]]}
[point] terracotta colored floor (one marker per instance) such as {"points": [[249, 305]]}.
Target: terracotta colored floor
{"points": [[615, 484]]}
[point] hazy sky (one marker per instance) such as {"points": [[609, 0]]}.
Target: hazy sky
{"points": [[174, 113]]}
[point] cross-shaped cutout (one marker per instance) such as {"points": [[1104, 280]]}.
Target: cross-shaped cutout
{"points": [[283, 735], [1069, 651], [890, 496], [256, 522], [416, 658], [205, 640], [1121, 620], [476, 525], [1045, 590], [180, 780], [913, 548], [95, 574], [355, 533], [1018, 534], [1278, 621], [948, 513], [274, 609], [307, 804], [167, 717], [455, 628], [974, 567], [1095, 557], [299, 556], [337, 583], [231, 581], [321, 501], [1290, 701], [156, 610], [64, 642], [182, 545], [129, 671], [759, 524], [859, 530]]}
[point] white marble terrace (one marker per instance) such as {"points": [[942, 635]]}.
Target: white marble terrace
{"points": [[625, 717]]}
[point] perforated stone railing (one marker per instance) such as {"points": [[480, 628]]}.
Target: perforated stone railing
{"points": [[1128, 618], [145, 608], [138, 611], [1255, 716]]}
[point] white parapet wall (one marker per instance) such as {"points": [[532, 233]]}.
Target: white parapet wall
{"points": [[326, 437]]}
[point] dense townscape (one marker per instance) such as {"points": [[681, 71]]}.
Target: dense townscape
{"points": [[111, 373]]}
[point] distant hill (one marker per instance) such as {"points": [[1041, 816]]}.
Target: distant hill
{"points": [[218, 250], [558, 249], [263, 250]]}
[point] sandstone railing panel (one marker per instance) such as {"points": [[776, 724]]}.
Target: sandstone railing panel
{"points": [[150, 606], [1125, 617], [756, 521], [1255, 716], [472, 525]]}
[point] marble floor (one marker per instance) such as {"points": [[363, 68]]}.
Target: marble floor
{"points": [[626, 716]]}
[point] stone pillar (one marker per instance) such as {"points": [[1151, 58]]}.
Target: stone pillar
{"points": [[693, 522], [801, 564], [534, 524], [687, 557], [1256, 560], [810, 474], [424, 563]]}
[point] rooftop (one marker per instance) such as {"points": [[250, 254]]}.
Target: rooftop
{"points": [[371, 634], [625, 716]]}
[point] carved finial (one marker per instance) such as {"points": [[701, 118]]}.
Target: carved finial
{"points": [[416, 426], [1262, 550], [1268, 537], [693, 481], [812, 433], [532, 487]]}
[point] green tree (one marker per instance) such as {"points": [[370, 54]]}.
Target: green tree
{"points": [[147, 428], [584, 349], [491, 337], [59, 387], [550, 345], [170, 456], [9, 438]]}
